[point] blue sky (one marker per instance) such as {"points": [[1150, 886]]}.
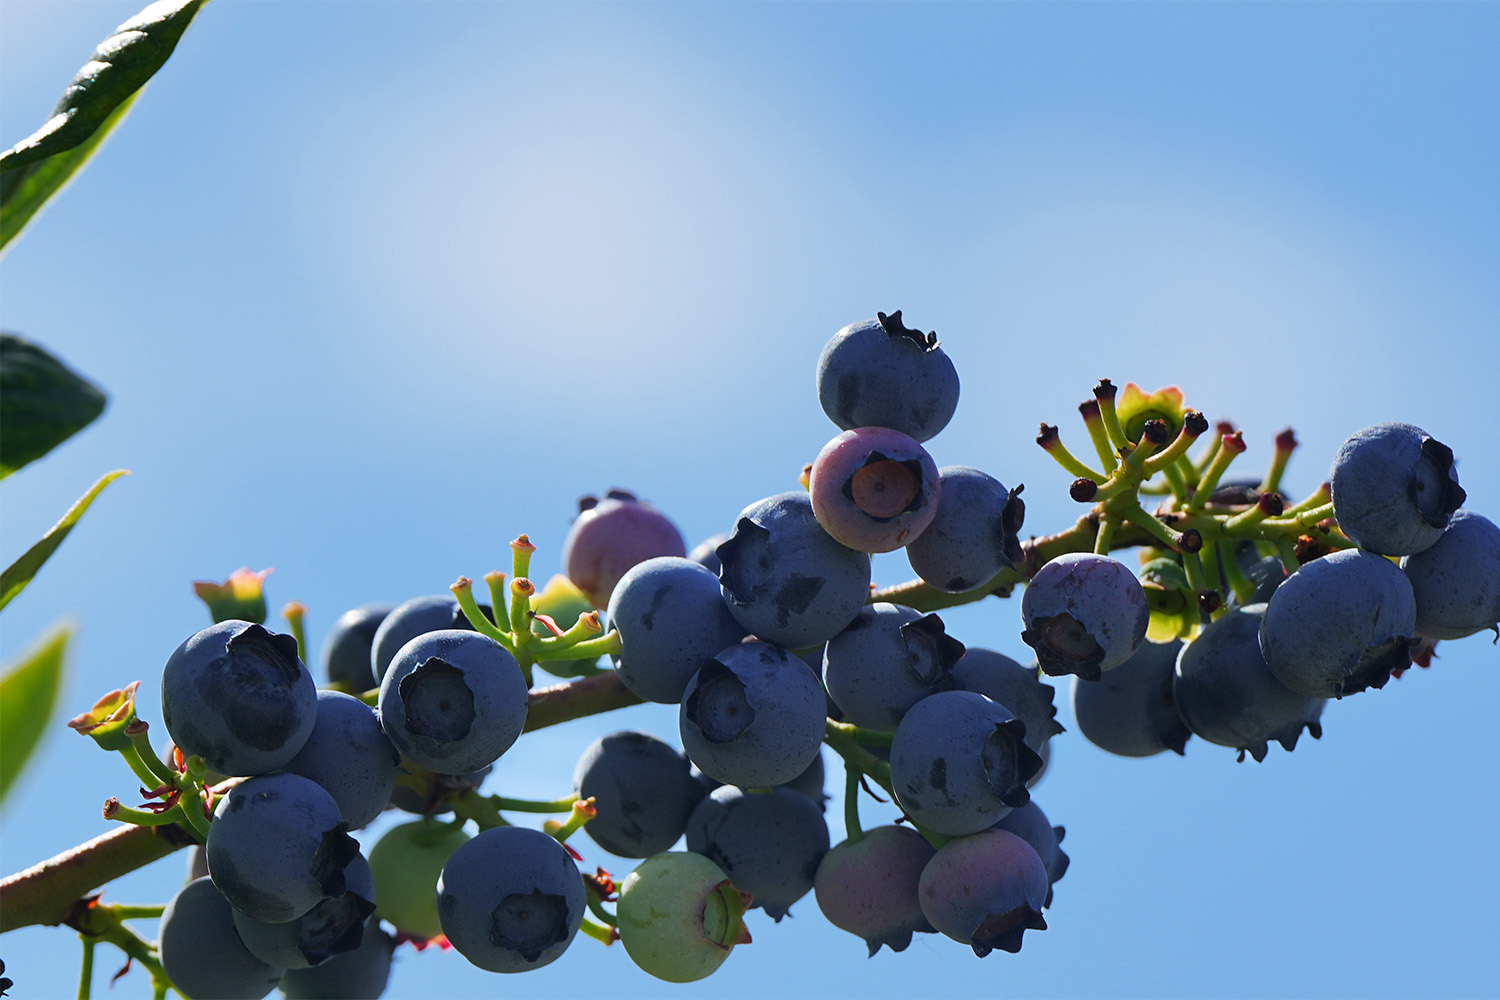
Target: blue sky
{"points": [[375, 287]]}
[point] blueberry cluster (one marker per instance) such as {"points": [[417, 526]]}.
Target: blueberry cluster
{"points": [[1247, 614]]}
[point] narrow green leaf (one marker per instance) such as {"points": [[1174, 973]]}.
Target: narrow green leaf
{"points": [[19, 573], [42, 402], [26, 189], [28, 693], [92, 104]]}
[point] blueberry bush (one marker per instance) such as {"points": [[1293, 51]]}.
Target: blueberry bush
{"points": [[1187, 598]]}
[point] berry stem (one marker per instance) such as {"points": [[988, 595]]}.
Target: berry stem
{"points": [[1095, 423], [495, 581], [1052, 445], [556, 647], [1286, 443], [86, 970], [140, 744], [1230, 446], [852, 830], [463, 592], [599, 932], [1104, 392], [1239, 583], [581, 811], [604, 645], [520, 560], [534, 805], [1192, 428]]}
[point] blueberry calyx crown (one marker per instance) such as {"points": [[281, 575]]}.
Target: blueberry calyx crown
{"points": [[1436, 511], [893, 326]]}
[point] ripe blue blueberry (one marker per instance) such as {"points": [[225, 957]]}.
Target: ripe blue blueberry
{"points": [[769, 842], [346, 650], [511, 899], [238, 696], [878, 373], [786, 580], [643, 792], [888, 658], [1084, 614], [1020, 689], [753, 715], [1130, 710], [277, 846], [350, 756], [453, 701], [671, 617], [959, 762], [417, 616], [1227, 695], [974, 534], [1394, 488], [334, 926], [202, 953], [1456, 581], [1340, 624]]}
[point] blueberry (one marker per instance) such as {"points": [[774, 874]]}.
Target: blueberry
{"points": [[1084, 614], [238, 696], [417, 616], [1031, 824], [679, 916], [973, 535], [959, 762], [753, 715], [1020, 689], [986, 890], [1227, 695], [201, 951], [888, 658], [1394, 488], [609, 536], [769, 842], [671, 617], [453, 701], [1340, 624], [868, 886], [277, 846], [1456, 581], [351, 975], [1130, 710], [350, 756], [786, 580], [346, 650], [643, 792], [511, 899], [878, 373], [334, 926], [874, 489]]}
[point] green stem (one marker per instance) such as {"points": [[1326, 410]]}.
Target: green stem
{"points": [[1095, 424], [143, 771], [852, 830], [520, 558], [596, 907], [843, 743], [534, 805], [557, 646], [142, 817], [86, 972], [1213, 473], [1242, 585], [495, 581], [864, 736], [604, 645], [1052, 445], [604, 935], [140, 740], [1141, 518], [1112, 420], [1176, 482], [581, 812], [1108, 523], [463, 592]]}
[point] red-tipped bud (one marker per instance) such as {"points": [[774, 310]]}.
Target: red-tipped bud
{"points": [[1104, 390], [522, 544], [1234, 442], [1089, 408], [1286, 440], [1046, 436], [1224, 427]]}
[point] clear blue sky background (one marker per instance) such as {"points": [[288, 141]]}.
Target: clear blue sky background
{"points": [[376, 286]]}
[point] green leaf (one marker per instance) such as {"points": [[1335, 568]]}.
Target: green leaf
{"points": [[42, 403], [19, 573], [28, 693], [93, 103], [25, 190]]}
